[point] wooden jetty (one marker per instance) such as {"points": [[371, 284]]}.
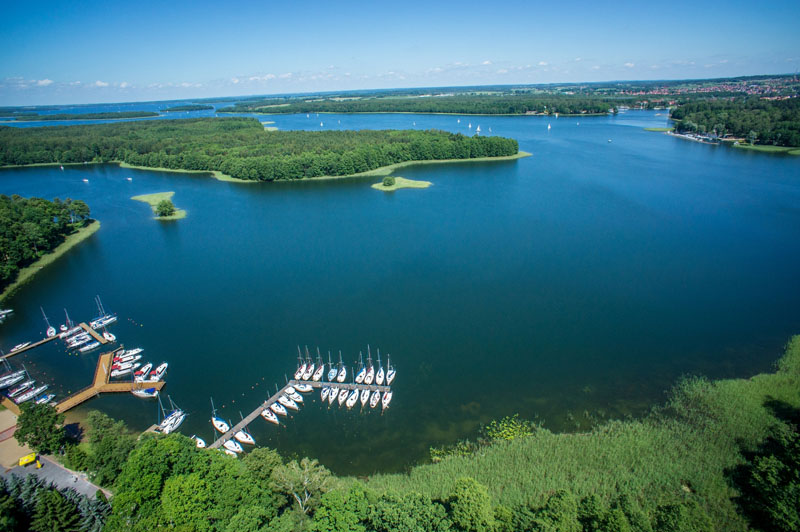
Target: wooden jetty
{"points": [[11, 405], [274, 398], [101, 384], [32, 346], [94, 334]]}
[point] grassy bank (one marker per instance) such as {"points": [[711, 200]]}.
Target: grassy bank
{"points": [[25, 274], [402, 182], [768, 149], [659, 129], [154, 199], [215, 174], [679, 452]]}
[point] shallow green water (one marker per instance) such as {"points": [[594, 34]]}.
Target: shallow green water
{"points": [[587, 277]]}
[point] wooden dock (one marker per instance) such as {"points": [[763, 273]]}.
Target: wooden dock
{"points": [[32, 346], [11, 405], [94, 334], [274, 398], [101, 384]]}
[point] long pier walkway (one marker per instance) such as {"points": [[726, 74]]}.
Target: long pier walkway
{"points": [[27, 348], [101, 384], [274, 398], [94, 334]]}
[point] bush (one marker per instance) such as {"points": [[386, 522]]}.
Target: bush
{"points": [[165, 208], [388, 181]]}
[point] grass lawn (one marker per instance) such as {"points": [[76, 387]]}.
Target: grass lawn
{"points": [[402, 182], [154, 199]]}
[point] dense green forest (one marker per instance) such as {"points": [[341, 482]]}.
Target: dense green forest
{"points": [[114, 115], [239, 147], [513, 104], [31, 227], [718, 456], [772, 122], [195, 107]]}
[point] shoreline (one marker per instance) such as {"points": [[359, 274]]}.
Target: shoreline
{"points": [[28, 272], [404, 113]]}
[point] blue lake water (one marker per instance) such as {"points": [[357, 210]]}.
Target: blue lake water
{"points": [[585, 278]]}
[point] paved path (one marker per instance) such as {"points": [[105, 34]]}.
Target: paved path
{"points": [[53, 472]]}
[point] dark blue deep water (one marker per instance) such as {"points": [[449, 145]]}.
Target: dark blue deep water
{"points": [[585, 278]]}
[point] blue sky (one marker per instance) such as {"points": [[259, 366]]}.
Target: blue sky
{"points": [[85, 51]]}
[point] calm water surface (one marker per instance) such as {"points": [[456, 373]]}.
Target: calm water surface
{"points": [[587, 277]]}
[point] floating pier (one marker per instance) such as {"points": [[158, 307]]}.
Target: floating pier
{"points": [[102, 384], [94, 334], [274, 398], [26, 348]]}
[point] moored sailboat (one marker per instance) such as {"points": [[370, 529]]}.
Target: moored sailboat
{"points": [[342, 375], [51, 331], [379, 375], [362, 369], [390, 372], [219, 424], [374, 399], [352, 399], [270, 416]]}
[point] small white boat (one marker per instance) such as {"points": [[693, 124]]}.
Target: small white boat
{"points": [[548, 127], [278, 409], [30, 394], [199, 442], [288, 402], [374, 399], [352, 399], [146, 393], [127, 358], [11, 378], [387, 398], [142, 372], [173, 420], [299, 373], [245, 437], [362, 372], [270, 416], [124, 365], [324, 393], [294, 396], [303, 388], [65, 335], [230, 453], [318, 373], [45, 399], [130, 352], [21, 388], [51, 331], [343, 393], [332, 395], [308, 372], [220, 424], [158, 373], [233, 446], [331, 372], [19, 346], [342, 374], [109, 337], [99, 323], [364, 397], [121, 372], [379, 375], [89, 347], [370, 376], [390, 372], [85, 180]]}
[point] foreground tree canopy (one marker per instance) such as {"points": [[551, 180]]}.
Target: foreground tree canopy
{"points": [[30, 227], [239, 147]]}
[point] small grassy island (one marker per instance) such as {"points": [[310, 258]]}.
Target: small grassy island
{"points": [[242, 149], [161, 203], [392, 183], [35, 232], [180, 108]]}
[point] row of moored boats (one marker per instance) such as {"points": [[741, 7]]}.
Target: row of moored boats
{"points": [[20, 387], [367, 373]]}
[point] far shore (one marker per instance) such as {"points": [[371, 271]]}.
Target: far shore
{"points": [[405, 113], [27, 273]]}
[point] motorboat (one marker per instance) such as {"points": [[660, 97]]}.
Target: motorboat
{"points": [[278, 409], [390, 372], [11, 378], [19, 346], [142, 372], [374, 399], [30, 394], [270, 416], [245, 437], [130, 352], [109, 337], [324, 393], [45, 399], [124, 365], [199, 442], [121, 372], [288, 402], [364, 397], [362, 371], [127, 358], [332, 395], [89, 347], [233, 446], [303, 388], [145, 393], [343, 395], [352, 399], [21, 388], [158, 373], [387, 398]]}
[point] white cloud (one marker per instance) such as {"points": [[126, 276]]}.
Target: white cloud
{"points": [[487, 62], [723, 61], [75, 83], [629, 65], [99, 83], [578, 59], [596, 67], [502, 71], [234, 80], [44, 82], [124, 85], [542, 63], [285, 75]]}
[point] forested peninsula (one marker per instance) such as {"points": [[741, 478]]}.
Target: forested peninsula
{"points": [[457, 104], [114, 115], [181, 108], [240, 147], [760, 121], [30, 228]]}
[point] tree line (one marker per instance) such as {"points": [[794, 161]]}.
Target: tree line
{"points": [[239, 147], [112, 115], [772, 122], [511, 104], [189, 107], [32, 227]]}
